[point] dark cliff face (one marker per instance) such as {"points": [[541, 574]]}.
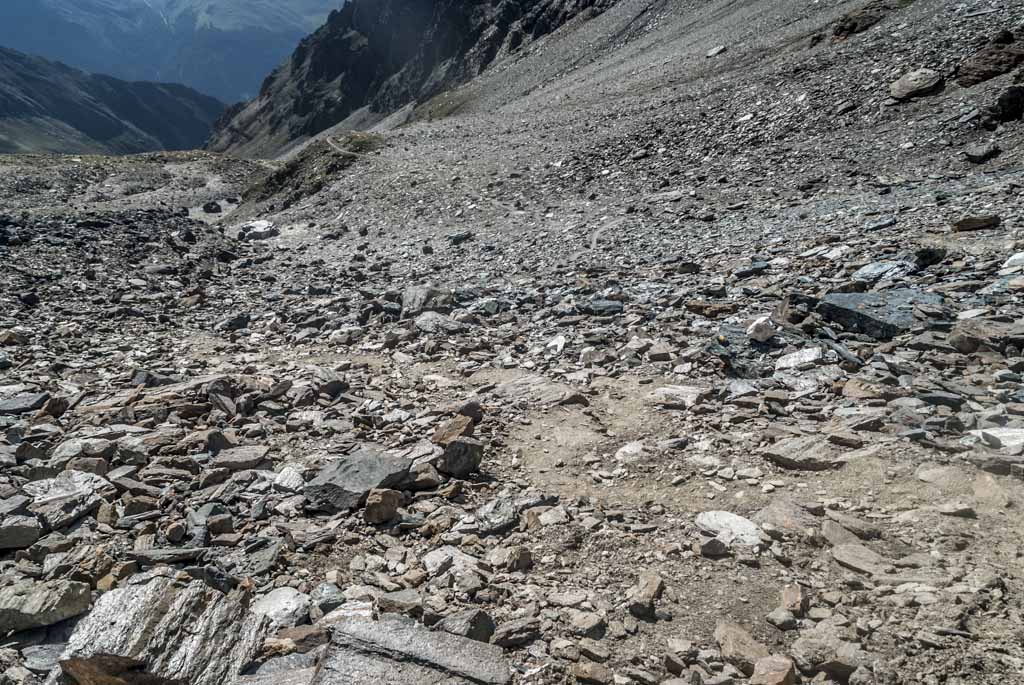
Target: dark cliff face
{"points": [[382, 55], [49, 107]]}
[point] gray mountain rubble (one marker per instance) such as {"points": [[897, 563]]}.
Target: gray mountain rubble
{"points": [[746, 410]]}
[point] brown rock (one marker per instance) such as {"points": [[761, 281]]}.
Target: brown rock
{"points": [[381, 506], [774, 670], [458, 427], [738, 647]]}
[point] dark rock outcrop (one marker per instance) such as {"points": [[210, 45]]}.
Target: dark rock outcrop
{"points": [[375, 56]]}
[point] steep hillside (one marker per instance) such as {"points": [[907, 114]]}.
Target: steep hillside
{"points": [[219, 47], [374, 56], [49, 107]]}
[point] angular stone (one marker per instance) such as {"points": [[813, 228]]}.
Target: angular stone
{"points": [[643, 595], [381, 506], [729, 528], [475, 624], [462, 456], [21, 404], [398, 651], [422, 298], [460, 426], [859, 558], [516, 633], [28, 604], [774, 670], [62, 500], [19, 532], [157, 630], [916, 84], [803, 454], [240, 458], [881, 315], [738, 647], [434, 322], [679, 396], [344, 483], [285, 607], [979, 222]]}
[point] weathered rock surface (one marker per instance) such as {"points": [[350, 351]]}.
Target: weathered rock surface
{"points": [[159, 629]]}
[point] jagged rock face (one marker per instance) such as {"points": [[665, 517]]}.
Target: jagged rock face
{"points": [[382, 55], [159, 630]]}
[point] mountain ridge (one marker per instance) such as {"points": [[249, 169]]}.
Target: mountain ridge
{"points": [[222, 48], [47, 106]]}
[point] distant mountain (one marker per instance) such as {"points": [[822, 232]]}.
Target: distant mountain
{"points": [[375, 56], [220, 47], [48, 107]]}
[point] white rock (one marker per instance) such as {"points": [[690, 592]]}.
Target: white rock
{"points": [[729, 527], [1014, 261], [762, 329], [289, 480], [286, 607], [809, 356]]}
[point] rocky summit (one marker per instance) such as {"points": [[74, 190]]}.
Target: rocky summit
{"points": [[667, 344]]}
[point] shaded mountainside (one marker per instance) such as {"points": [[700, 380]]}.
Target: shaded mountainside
{"points": [[375, 56], [219, 47], [49, 107]]}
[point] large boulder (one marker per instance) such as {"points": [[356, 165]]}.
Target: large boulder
{"points": [[158, 630], [343, 484], [28, 604]]}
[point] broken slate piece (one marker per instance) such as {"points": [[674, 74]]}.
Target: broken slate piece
{"points": [[881, 315], [158, 630], [399, 651], [343, 484]]}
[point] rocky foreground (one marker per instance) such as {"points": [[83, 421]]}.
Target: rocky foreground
{"points": [[475, 404]]}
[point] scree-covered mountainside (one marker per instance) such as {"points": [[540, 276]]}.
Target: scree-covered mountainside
{"points": [[374, 56], [544, 342], [48, 107], [223, 48]]}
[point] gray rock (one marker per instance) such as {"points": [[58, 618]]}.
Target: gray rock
{"points": [[425, 298], [803, 454], [240, 458], [738, 647], [435, 322], [502, 513], [324, 599], [398, 651], [29, 604], [24, 403], [516, 633], [19, 532], [881, 315], [285, 607], [859, 558], [475, 624], [729, 528], [981, 153], [462, 456], [916, 83], [62, 500], [157, 630], [343, 484]]}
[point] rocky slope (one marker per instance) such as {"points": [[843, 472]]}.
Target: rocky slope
{"points": [[223, 48], [373, 57], [687, 349], [49, 107]]}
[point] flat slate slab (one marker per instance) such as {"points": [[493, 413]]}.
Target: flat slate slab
{"points": [[399, 651], [881, 315]]}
